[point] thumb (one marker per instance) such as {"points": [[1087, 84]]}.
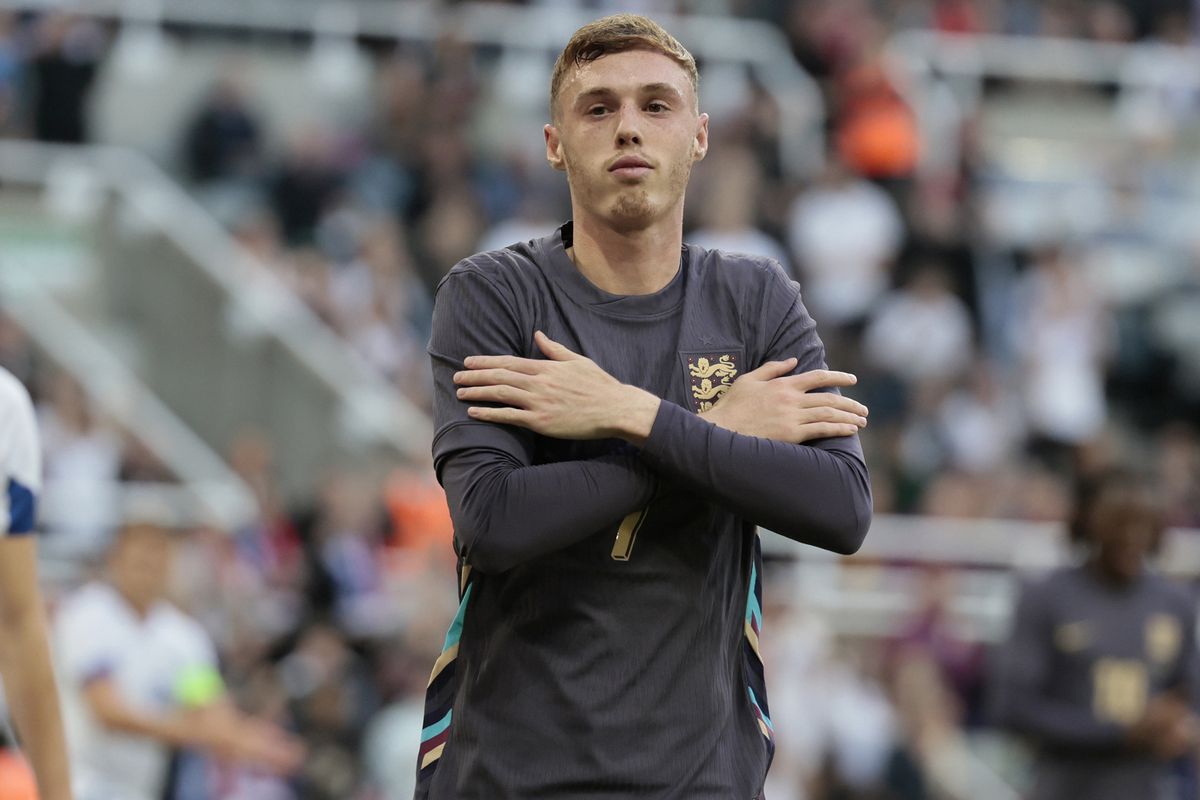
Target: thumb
{"points": [[771, 370], [552, 349]]}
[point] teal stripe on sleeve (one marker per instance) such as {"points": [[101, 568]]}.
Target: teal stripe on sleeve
{"points": [[439, 726], [455, 632], [754, 700], [753, 609]]}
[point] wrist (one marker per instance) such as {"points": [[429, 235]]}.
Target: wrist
{"points": [[633, 415], [713, 415]]}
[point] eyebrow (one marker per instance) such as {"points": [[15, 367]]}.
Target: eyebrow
{"points": [[649, 88]]}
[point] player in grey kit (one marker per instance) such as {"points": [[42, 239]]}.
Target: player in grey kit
{"points": [[604, 501], [1101, 667]]}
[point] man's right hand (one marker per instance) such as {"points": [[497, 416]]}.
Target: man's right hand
{"points": [[269, 746], [771, 404], [1167, 730], [232, 736]]}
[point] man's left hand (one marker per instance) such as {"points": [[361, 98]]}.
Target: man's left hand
{"points": [[567, 396]]}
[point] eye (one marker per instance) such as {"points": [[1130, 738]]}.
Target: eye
{"points": [[657, 106], [596, 111]]}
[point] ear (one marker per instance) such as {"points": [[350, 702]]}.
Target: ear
{"points": [[554, 154], [700, 143]]}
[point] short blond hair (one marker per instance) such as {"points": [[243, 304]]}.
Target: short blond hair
{"points": [[618, 33]]}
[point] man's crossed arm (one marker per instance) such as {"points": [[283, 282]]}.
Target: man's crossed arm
{"points": [[776, 449]]}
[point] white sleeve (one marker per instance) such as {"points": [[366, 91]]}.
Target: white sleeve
{"points": [[20, 458], [196, 648], [83, 639]]}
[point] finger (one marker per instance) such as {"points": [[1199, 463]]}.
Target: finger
{"points": [[835, 415], [492, 377], [552, 349], [507, 395], [771, 370], [824, 430], [838, 401], [502, 416], [821, 379], [527, 366]]}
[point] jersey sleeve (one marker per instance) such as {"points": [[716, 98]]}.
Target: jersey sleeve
{"points": [[507, 510], [818, 492], [471, 316], [21, 458], [83, 641], [1186, 675]]}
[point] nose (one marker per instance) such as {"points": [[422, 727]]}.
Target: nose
{"points": [[628, 130]]}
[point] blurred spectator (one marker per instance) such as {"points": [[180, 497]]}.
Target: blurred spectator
{"points": [[931, 631], [223, 140], [981, 422], [421, 525], [342, 537], [82, 463], [957, 16], [729, 213], [332, 696], [139, 676], [1101, 661], [10, 71], [921, 332], [1109, 21], [532, 220], [1061, 332], [848, 742], [844, 233], [304, 184], [375, 299], [69, 49], [875, 131], [447, 232], [1178, 447], [140, 465], [16, 354]]}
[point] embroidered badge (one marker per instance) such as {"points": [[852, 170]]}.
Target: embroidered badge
{"points": [[1071, 637], [1162, 638], [711, 375]]}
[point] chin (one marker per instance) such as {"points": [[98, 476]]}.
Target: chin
{"points": [[633, 213]]}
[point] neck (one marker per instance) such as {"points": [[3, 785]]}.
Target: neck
{"points": [[627, 262], [1111, 577], [141, 607]]}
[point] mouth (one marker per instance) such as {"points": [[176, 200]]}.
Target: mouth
{"points": [[630, 167]]}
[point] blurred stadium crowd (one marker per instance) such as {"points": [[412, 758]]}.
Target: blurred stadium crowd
{"points": [[990, 389]]}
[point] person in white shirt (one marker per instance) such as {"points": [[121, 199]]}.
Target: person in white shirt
{"points": [[24, 652], [140, 677], [922, 332], [845, 233]]}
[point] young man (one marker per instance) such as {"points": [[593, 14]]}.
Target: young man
{"points": [[24, 652], [604, 501], [1100, 669], [140, 677]]}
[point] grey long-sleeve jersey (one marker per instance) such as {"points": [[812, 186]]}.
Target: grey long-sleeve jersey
{"points": [[1083, 660], [606, 644]]}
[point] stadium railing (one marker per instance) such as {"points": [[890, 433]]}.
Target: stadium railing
{"points": [[944, 76], [873, 593], [220, 341], [210, 492]]}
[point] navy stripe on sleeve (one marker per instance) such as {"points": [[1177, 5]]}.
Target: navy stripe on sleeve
{"points": [[22, 507]]}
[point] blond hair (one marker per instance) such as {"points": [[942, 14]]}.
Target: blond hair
{"points": [[618, 33]]}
